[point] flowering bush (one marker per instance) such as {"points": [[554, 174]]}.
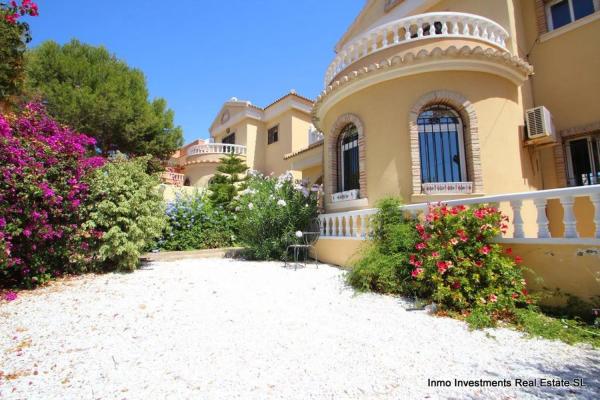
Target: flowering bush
{"points": [[125, 212], [271, 210], [195, 223], [456, 264], [449, 258], [42, 167]]}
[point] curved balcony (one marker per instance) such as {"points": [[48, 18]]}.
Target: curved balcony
{"points": [[418, 27], [212, 152]]}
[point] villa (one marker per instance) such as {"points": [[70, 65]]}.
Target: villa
{"points": [[272, 140], [460, 101]]}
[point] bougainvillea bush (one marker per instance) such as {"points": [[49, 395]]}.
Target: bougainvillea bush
{"points": [[271, 210], [195, 223], [43, 167], [448, 258], [125, 206]]}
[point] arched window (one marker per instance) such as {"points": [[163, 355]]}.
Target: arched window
{"points": [[348, 159], [441, 145]]}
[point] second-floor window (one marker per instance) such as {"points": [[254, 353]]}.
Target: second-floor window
{"points": [[273, 134], [229, 139], [583, 156], [562, 12]]}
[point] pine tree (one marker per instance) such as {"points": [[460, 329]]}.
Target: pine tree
{"points": [[230, 178]]}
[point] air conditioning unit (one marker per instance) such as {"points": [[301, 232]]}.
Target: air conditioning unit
{"points": [[540, 128]]}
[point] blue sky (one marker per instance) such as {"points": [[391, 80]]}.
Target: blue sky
{"points": [[197, 54]]}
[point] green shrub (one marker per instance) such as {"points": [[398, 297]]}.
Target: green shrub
{"points": [[126, 208], [270, 211], [384, 265], [195, 223]]}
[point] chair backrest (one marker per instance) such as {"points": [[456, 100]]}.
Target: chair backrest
{"points": [[312, 232]]}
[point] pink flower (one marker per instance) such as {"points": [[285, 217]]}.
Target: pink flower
{"points": [[514, 295], [454, 241], [435, 254], [493, 298], [420, 246], [10, 296], [416, 272], [485, 250]]}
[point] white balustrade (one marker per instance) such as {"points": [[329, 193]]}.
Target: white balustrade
{"points": [[217, 148], [345, 224], [417, 27], [172, 178]]}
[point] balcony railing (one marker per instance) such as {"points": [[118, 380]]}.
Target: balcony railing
{"points": [[217, 148], [417, 27], [172, 178], [357, 224], [314, 136]]}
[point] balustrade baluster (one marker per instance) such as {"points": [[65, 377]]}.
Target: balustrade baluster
{"points": [[568, 217], [363, 225], [542, 219], [355, 231], [455, 30], [517, 218], [466, 28], [396, 39], [407, 32], [347, 229]]}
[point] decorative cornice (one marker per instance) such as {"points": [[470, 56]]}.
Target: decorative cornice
{"points": [[466, 58]]}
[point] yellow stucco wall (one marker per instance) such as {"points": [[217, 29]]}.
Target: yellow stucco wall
{"points": [[573, 269], [199, 174], [384, 111], [340, 252]]}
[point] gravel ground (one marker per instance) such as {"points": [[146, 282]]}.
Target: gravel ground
{"points": [[224, 329]]}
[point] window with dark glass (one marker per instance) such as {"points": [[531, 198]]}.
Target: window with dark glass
{"points": [[563, 12], [229, 139], [273, 134], [584, 160], [348, 159], [441, 145]]}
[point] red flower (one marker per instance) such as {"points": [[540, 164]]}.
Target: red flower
{"points": [[435, 254], [518, 259], [508, 250], [479, 263], [416, 272], [485, 250], [456, 285], [420, 246], [515, 295], [442, 266], [524, 291]]}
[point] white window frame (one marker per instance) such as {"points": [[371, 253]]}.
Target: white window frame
{"points": [[571, 12], [341, 149], [595, 168], [461, 140]]}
